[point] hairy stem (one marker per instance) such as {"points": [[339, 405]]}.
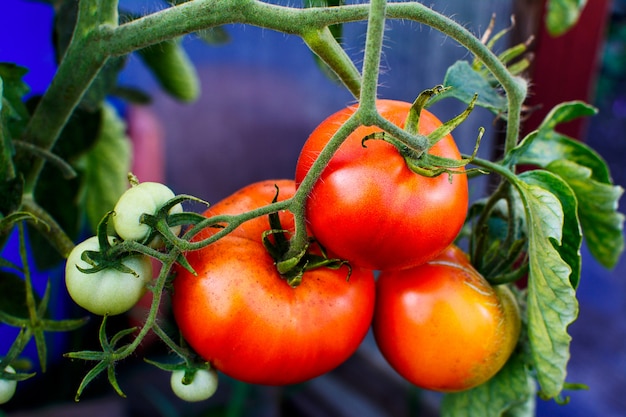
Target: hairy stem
{"points": [[515, 87], [371, 59], [324, 45], [48, 227], [92, 45]]}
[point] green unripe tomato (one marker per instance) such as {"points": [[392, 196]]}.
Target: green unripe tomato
{"points": [[202, 387], [108, 291], [7, 386], [173, 69], [145, 197]]}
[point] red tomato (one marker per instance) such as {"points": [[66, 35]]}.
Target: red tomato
{"points": [[251, 197], [241, 316], [369, 208], [442, 326]]}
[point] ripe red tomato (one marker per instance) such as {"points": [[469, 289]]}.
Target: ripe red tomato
{"points": [[251, 197], [369, 208], [243, 318], [442, 326]]}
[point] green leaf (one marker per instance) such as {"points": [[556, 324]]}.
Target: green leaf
{"points": [[106, 167], [571, 240], [562, 15], [552, 305], [465, 83], [513, 388], [587, 174], [541, 148], [602, 224], [566, 112]]}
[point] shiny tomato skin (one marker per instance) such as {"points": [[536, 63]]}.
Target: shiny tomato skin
{"points": [[242, 317], [369, 208], [250, 197], [442, 326]]}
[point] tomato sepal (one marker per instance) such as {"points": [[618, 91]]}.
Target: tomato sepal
{"points": [[164, 224]]}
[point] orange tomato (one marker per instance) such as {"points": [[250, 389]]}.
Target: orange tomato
{"points": [[442, 326]]}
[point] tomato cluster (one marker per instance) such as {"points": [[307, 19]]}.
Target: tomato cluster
{"points": [[436, 320], [107, 284]]}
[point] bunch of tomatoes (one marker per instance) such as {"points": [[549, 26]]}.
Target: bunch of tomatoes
{"points": [[381, 255]]}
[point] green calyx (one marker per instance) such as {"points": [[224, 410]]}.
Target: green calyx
{"points": [[162, 222], [292, 267], [108, 256], [418, 159]]}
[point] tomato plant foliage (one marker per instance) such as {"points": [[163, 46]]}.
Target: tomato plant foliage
{"points": [[273, 256]]}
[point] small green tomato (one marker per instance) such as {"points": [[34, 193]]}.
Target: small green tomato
{"points": [[7, 386], [145, 197], [202, 387], [108, 291]]}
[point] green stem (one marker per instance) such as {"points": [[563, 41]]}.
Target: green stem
{"points": [[81, 63], [232, 222], [28, 282], [494, 167], [48, 227], [300, 239], [503, 191], [477, 247], [92, 45], [323, 43], [365, 114], [157, 295], [371, 60], [180, 351], [515, 87]]}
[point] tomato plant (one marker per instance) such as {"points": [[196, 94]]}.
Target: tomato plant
{"points": [[442, 326], [239, 314], [110, 290], [201, 386], [370, 207], [270, 288]]}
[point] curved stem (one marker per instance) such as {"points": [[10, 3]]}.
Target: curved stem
{"points": [[300, 238], [80, 65], [232, 222], [92, 45], [323, 43], [48, 227], [515, 87], [157, 294]]}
